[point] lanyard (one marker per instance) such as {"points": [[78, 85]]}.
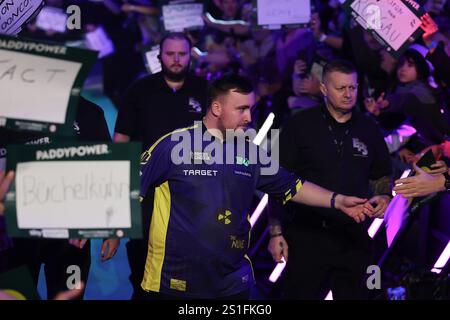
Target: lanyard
{"points": [[339, 144]]}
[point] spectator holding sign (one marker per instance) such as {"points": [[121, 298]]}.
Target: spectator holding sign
{"points": [[57, 255], [412, 99]]}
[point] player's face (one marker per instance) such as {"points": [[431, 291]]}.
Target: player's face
{"points": [[235, 111]]}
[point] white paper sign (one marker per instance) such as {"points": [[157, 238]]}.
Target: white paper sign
{"points": [[73, 194], [282, 12], [14, 13], [181, 16], [34, 87], [52, 19], [392, 20], [98, 40], [152, 61]]}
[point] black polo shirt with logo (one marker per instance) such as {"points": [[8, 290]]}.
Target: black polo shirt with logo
{"points": [[150, 108], [342, 157]]}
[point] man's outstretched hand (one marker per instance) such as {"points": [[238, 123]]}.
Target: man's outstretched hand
{"points": [[354, 207], [420, 185]]}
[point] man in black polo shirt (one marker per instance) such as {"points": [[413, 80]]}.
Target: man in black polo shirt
{"points": [[160, 103], [153, 106], [340, 149]]}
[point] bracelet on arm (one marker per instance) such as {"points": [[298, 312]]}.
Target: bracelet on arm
{"points": [[333, 200]]}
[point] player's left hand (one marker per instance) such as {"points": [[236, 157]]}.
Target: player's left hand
{"points": [[354, 207]]}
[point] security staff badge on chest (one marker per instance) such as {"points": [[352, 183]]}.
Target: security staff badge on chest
{"points": [[194, 106], [359, 148]]}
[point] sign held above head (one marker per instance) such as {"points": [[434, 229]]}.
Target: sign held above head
{"points": [[15, 13], [394, 23]]}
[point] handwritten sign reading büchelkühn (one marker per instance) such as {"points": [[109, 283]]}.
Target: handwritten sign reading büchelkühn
{"points": [[91, 190]]}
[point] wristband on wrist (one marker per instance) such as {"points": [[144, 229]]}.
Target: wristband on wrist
{"points": [[333, 200]]}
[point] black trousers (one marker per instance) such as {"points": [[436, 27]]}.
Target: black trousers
{"points": [[137, 249], [56, 255], [323, 258], [137, 255]]}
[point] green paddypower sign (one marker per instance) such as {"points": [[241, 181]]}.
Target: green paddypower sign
{"points": [[40, 85], [75, 190]]}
